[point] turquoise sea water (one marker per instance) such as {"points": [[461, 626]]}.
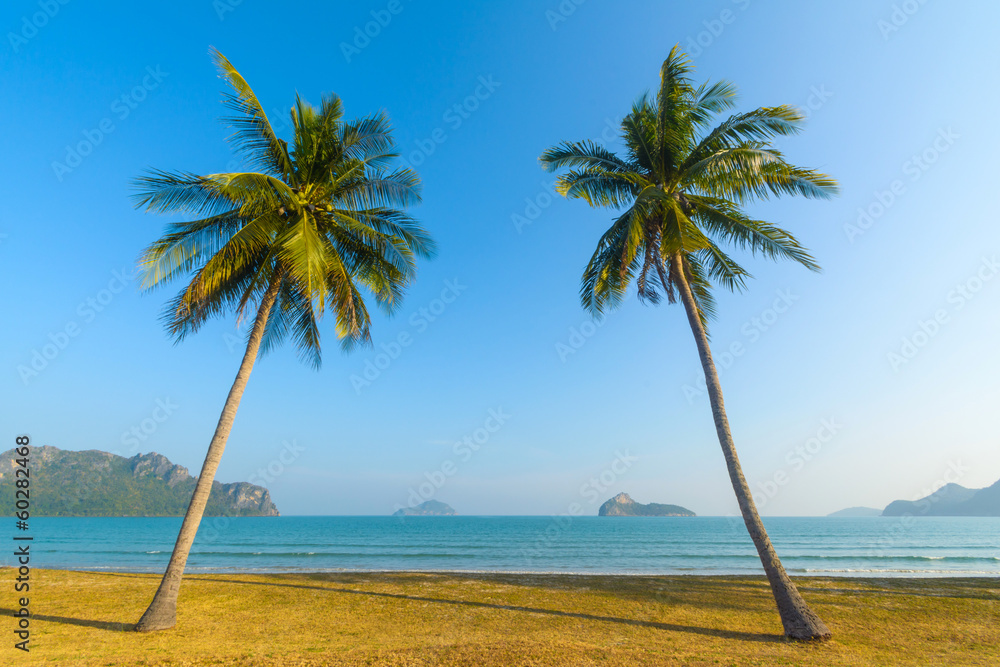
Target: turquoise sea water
{"points": [[878, 546]]}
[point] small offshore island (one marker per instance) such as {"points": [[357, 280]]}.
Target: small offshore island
{"points": [[623, 505], [429, 508]]}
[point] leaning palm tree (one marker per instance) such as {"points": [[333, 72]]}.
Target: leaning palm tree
{"points": [[320, 222], [683, 185]]}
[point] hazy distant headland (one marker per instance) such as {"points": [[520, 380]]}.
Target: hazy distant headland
{"points": [[949, 500], [96, 483], [623, 505], [857, 512]]}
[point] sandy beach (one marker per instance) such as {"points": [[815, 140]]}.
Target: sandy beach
{"points": [[85, 618]]}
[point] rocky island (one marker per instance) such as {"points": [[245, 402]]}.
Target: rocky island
{"points": [[96, 483], [623, 505], [429, 508]]}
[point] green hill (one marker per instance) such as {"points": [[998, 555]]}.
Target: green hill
{"points": [[96, 483]]}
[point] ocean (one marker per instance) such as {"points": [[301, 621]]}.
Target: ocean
{"points": [[862, 547]]}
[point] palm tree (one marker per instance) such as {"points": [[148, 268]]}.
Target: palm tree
{"points": [[315, 225], [683, 185]]}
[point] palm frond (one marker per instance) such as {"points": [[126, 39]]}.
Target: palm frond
{"points": [[399, 188], [724, 220], [712, 99], [170, 192], [369, 139], [586, 154], [607, 275], [254, 138], [601, 188], [184, 246], [639, 133], [673, 102]]}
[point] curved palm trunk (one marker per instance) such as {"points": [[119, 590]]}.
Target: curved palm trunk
{"points": [[799, 621], [162, 611]]}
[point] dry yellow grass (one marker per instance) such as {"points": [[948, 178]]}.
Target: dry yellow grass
{"points": [[484, 620]]}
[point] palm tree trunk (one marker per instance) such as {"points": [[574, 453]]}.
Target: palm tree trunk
{"points": [[799, 621], [162, 611]]}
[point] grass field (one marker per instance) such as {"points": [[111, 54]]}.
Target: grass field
{"points": [[83, 618]]}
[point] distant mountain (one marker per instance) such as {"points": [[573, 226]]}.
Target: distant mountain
{"points": [[623, 505], [986, 502], [96, 483], [429, 508], [950, 500], [858, 511]]}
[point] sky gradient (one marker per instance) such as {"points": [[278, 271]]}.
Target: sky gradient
{"points": [[873, 381]]}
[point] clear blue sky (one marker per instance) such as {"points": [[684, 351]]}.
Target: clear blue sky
{"points": [[131, 87]]}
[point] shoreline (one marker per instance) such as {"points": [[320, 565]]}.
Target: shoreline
{"points": [[986, 582], [795, 574]]}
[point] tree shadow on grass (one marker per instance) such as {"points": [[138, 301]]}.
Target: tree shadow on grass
{"points": [[986, 594], [720, 592], [100, 625], [673, 627]]}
